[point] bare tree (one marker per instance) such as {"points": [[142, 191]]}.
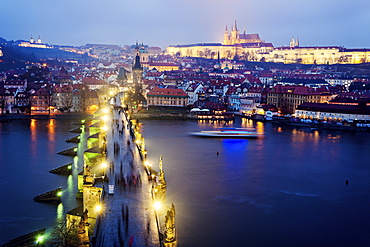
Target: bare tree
{"points": [[64, 234]]}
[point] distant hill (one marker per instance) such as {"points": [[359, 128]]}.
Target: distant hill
{"points": [[41, 53], [15, 58]]}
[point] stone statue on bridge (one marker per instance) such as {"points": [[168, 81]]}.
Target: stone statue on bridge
{"points": [[83, 233], [170, 233], [161, 180], [88, 176]]}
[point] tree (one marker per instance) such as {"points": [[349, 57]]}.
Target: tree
{"points": [[64, 234]]}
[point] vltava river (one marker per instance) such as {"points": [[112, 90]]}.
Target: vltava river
{"points": [[287, 189], [28, 151]]}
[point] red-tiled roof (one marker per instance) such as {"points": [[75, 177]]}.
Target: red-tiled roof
{"points": [[167, 92]]}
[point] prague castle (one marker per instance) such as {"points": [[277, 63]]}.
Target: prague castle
{"points": [[234, 37], [251, 47]]}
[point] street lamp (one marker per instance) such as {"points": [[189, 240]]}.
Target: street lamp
{"points": [[98, 208], [105, 118], [157, 205], [105, 110]]}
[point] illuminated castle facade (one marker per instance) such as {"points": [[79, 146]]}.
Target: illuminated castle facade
{"points": [[234, 37], [250, 47]]}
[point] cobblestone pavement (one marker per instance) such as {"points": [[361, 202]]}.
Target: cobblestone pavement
{"points": [[128, 216]]}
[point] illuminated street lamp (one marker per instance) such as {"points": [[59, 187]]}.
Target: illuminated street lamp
{"points": [[105, 110], [104, 164], [105, 118], [98, 208], [104, 127], [157, 205]]}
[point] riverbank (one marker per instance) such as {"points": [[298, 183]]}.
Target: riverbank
{"points": [[164, 116], [361, 127]]}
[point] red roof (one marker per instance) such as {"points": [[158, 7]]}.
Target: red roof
{"points": [[93, 81], [167, 92]]}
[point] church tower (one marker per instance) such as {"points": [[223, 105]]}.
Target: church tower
{"points": [[234, 34], [137, 69], [39, 40], [226, 37], [296, 44], [292, 42], [31, 39]]}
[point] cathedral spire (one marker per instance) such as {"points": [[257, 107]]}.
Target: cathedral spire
{"points": [[296, 43], [235, 26]]}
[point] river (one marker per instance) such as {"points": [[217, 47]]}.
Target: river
{"points": [[286, 189]]}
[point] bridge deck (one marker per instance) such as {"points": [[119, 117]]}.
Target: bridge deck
{"points": [[128, 214]]}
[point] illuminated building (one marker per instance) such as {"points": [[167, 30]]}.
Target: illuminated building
{"points": [[33, 44], [250, 47], [242, 45], [288, 98], [234, 37], [333, 111], [167, 97], [161, 66]]}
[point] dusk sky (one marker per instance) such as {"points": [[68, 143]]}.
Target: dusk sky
{"points": [[163, 22]]}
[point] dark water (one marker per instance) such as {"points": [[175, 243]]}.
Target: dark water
{"points": [[28, 151], [287, 189]]}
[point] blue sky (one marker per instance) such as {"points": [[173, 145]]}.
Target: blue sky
{"points": [[163, 22]]}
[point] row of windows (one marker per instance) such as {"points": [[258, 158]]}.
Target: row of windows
{"points": [[167, 102]]}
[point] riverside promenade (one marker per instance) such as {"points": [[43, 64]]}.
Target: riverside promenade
{"points": [[127, 217]]}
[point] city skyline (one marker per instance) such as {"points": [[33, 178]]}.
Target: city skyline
{"points": [[164, 23]]}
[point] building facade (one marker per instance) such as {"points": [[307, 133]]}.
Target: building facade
{"points": [[167, 97]]}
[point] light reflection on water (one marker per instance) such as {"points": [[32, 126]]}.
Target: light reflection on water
{"points": [[28, 151], [286, 189]]}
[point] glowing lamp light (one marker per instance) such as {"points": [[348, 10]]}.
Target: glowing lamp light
{"points": [[105, 118], [157, 205], [105, 128], [39, 239], [69, 167], [83, 121], [105, 110], [59, 193], [104, 165], [98, 208], [75, 149]]}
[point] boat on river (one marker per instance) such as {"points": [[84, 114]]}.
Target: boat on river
{"points": [[229, 133]]}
